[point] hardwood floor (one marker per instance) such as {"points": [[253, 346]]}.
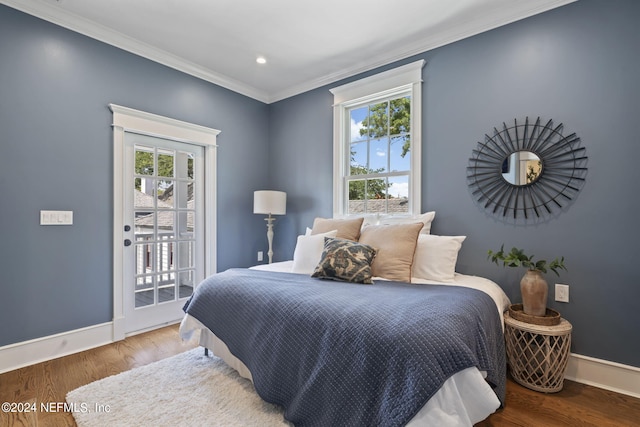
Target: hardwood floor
{"points": [[576, 405], [49, 382]]}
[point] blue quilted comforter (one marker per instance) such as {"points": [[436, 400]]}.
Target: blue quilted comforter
{"points": [[342, 354]]}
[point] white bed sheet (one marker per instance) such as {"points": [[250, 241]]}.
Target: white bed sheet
{"points": [[463, 400]]}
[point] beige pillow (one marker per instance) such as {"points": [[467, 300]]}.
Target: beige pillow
{"points": [[347, 228], [425, 218], [436, 257], [395, 245]]}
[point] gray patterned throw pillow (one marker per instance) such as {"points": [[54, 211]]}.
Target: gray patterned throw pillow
{"points": [[345, 260]]}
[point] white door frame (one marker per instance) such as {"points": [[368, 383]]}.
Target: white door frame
{"points": [[127, 119]]}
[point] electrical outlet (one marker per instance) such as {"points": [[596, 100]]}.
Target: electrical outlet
{"points": [[260, 256], [562, 292]]}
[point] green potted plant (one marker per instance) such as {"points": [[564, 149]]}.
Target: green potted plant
{"points": [[533, 287]]}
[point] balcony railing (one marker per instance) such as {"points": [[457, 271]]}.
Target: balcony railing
{"points": [[156, 267]]}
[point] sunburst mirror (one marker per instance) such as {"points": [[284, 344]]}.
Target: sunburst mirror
{"points": [[527, 169]]}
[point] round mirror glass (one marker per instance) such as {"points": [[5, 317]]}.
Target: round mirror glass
{"points": [[522, 168]]}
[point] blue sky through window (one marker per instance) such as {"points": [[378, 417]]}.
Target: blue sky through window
{"points": [[378, 154]]}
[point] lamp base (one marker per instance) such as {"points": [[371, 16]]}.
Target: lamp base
{"points": [[270, 221]]}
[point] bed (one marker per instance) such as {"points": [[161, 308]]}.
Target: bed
{"points": [[424, 350]]}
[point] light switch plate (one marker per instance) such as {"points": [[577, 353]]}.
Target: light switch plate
{"points": [[56, 217]]}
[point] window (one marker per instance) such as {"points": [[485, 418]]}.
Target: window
{"points": [[376, 144]]}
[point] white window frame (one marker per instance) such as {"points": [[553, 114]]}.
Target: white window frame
{"points": [[406, 78]]}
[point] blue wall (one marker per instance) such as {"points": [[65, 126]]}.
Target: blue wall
{"points": [[56, 147], [578, 65]]}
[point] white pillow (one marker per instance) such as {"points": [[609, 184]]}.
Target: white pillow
{"points": [[308, 252], [425, 218], [436, 257]]}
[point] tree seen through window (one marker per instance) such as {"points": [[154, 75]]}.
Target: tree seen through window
{"points": [[380, 146]]}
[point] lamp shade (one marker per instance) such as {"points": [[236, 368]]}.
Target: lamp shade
{"points": [[269, 202]]}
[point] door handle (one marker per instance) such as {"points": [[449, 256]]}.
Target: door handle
{"points": [[127, 242]]}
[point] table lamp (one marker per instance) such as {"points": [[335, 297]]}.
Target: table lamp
{"points": [[271, 203]]}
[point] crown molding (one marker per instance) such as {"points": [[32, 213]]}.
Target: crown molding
{"points": [[440, 39], [51, 13]]}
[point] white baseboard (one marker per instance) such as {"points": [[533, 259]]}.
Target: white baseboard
{"points": [[600, 373], [15, 356], [604, 374], [26, 353]]}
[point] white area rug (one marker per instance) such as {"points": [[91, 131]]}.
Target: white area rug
{"points": [[189, 389]]}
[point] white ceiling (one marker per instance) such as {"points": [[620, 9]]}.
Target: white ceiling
{"points": [[307, 43]]}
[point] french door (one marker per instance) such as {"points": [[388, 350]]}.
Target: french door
{"points": [[164, 217], [164, 248]]}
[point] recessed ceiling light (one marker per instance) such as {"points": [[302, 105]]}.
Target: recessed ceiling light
{"points": [[261, 60]]}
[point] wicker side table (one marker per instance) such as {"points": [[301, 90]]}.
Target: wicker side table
{"points": [[537, 355]]}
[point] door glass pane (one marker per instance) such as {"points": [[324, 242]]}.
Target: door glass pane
{"points": [[144, 225], [165, 163], [184, 165], [166, 225], [165, 193], [144, 291], [190, 166], [144, 258], [185, 283], [164, 256], [166, 287], [185, 225], [190, 224], [184, 194], [166, 294], [143, 193], [144, 283], [144, 160], [185, 255]]}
